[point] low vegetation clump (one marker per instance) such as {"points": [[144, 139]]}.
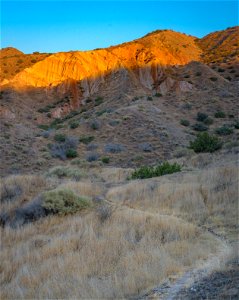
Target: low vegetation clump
{"points": [[98, 101], [86, 139], [65, 172], [236, 125], [158, 95], [60, 137], [95, 125], [220, 114], [184, 122], [66, 149], [64, 201], [151, 171], [224, 130], [71, 153], [73, 124], [205, 143], [105, 159], [208, 121], [199, 127], [201, 116]]}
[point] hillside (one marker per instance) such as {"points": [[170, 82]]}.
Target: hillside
{"points": [[119, 170], [13, 61]]}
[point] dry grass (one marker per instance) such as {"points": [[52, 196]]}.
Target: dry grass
{"points": [[81, 257], [153, 232], [19, 189], [203, 197]]}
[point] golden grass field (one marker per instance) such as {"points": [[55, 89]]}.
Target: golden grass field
{"points": [[152, 230]]}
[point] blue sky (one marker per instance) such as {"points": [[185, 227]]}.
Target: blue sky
{"points": [[52, 26]]}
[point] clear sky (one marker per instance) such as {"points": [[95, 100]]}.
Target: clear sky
{"points": [[52, 26]]}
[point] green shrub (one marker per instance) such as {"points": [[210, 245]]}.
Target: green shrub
{"points": [[105, 159], [224, 130], [71, 153], [205, 143], [199, 127], [160, 170], [219, 114], [158, 95], [43, 126], [184, 122], [201, 116], [208, 121], [236, 125], [73, 124], [59, 137], [98, 101], [64, 201], [213, 78], [86, 139], [150, 98]]}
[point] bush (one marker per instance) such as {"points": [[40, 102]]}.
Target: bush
{"points": [[95, 125], [63, 201], [43, 126], [160, 170], [86, 139], [201, 116], [199, 127], [73, 124], [114, 148], [213, 78], [208, 121], [60, 137], [150, 98], [205, 143], [184, 122], [236, 125], [219, 114], [224, 130], [98, 101], [105, 159], [61, 150], [158, 95], [71, 153]]}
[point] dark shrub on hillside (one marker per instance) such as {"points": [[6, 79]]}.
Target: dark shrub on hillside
{"points": [[208, 121], [205, 143], [199, 127], [184, 122], [160, 170], [201, 116], [73, 124], [95, 124], [220, 114], [86, 139], [71, 153], [236, 125], [64, 150], [224, 130], [105, 159], [59, 137], [213, 78]]}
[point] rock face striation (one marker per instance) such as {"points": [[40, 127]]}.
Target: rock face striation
{"points": [[83, 73]]}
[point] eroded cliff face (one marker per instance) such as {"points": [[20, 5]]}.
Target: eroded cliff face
{"points": [[82, 74]]}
